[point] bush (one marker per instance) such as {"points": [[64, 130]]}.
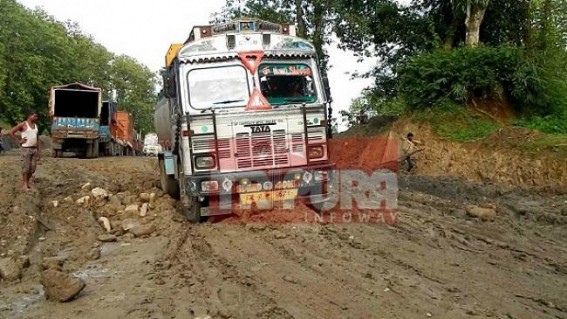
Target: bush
{"points": [[534, 85], [459, 75]]}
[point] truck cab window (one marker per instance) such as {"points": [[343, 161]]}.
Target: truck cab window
{"points": [[285, 83], [218, 87]]}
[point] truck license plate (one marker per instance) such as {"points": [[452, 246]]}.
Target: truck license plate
{"points": [[278, 195]]}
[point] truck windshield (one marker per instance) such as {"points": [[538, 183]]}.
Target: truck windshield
{"points": [[220, 86], [287, 83]]}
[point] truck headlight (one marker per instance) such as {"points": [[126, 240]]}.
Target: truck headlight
{"points": [[205, 161], [316, 152], [209, 186]]}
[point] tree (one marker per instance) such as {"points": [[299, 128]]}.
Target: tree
{"points": [[134, 86], [38, 52], [475, 11]]}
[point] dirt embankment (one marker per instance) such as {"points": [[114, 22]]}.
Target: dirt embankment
{"points": [[496, 159]]}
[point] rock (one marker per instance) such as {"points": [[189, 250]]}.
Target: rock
{"points": [[61, 286], [279, 235], [142, 230], [105, 223], [107, 238], [132, 208], [144, 210], [99, 193], [55, 263], [153, 197], [68, 199], [9, 269], [129, 223], [289, 279], [86, 186], [83, 201], [94, 254], [55, 203], [256, 227], [484, 214], [114, 201], [144, 197]]}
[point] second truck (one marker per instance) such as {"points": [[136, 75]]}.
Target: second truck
{"points": [[243, 118], [75, 113]]}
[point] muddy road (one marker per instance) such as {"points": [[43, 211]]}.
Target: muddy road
{"points": [[439, 260]]}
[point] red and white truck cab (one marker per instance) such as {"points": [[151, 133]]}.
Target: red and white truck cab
{"points": [[243, 119]]}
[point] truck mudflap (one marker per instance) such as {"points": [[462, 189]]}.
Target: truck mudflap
{"points": [[169, 163], [282, 187]]}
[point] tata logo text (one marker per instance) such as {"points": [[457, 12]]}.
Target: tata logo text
{"points": [[260, 129]]}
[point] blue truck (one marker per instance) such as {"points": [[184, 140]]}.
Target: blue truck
{"points": [[75, 119]]}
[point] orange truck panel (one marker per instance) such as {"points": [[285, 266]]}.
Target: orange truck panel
{"points": [[123, 129]]}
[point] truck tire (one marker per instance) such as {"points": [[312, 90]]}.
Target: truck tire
{"points": [[169, 184], [89, 150], [92, 149], [192, 210], [96, 149]]}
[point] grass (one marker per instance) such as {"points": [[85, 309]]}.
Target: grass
{"points": [[556, 143], [457, 123]]}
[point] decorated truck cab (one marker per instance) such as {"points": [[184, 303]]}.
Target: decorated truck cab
{"points": [[243, 120]]}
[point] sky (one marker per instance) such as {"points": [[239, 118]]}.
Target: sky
{"points": [[144, 29]]}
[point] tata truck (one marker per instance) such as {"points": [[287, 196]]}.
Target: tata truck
{"points": [[74, 110], [243, 120]]}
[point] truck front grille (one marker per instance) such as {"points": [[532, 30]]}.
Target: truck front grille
{"points": [[262, 150]]}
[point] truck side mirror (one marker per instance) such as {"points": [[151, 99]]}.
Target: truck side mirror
{"points": [[327, 89]]}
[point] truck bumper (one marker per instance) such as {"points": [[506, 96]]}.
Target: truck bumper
{"points": [[311, 185]]}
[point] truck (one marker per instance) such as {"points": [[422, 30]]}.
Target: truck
{"points": [[74, 110], [243, 120], [108, 144], [124, 134], [151, 145]]}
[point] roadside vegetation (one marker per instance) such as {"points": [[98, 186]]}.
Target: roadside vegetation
{"points": [[432, 71], [37, 52]]}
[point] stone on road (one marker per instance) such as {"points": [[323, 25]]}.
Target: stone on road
{"points": [[61, 286]]}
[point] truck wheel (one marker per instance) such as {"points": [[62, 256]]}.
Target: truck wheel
{"points": [[169, 184], [89, 151], [96, 149], [192, 210]]}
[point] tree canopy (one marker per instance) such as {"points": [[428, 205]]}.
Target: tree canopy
{"points": [[38, 52]]}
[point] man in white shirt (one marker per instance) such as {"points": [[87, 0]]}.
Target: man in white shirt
{"points": [[409, 148], [28, 140]]}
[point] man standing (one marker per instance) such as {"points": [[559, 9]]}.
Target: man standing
{"points": [[409, 148], [30, 147]]}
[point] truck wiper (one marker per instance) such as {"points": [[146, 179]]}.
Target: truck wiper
{"points": [[227, 102]]}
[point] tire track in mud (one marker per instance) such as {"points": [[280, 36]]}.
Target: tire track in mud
{"points": [[216, 286]]}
